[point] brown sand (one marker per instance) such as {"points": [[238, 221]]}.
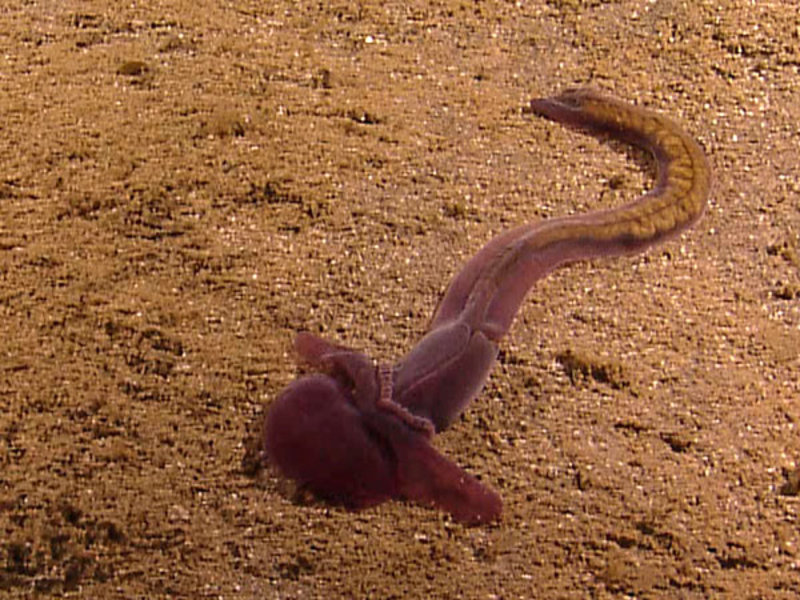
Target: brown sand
{"points": [[184, 186]]}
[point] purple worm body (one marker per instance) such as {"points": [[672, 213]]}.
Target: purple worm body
{"points": [[359, 434]]}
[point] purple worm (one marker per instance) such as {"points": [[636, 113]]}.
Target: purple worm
{"points": [[358, 434]]}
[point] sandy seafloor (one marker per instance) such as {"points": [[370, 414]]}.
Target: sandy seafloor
{"points": [[185, 185]]}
